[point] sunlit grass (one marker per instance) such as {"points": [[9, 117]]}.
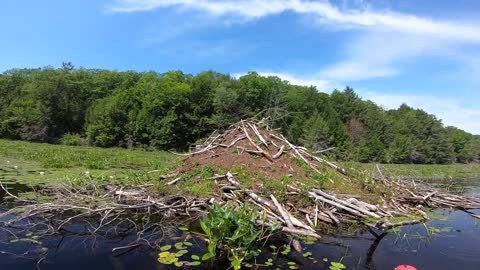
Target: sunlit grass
{"points": [[45, 163], [454, 171]]}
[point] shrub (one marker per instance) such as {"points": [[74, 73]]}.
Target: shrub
{"points": [[73, 139]]}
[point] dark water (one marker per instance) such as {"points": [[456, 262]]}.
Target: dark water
{"points": [[451, 241]]}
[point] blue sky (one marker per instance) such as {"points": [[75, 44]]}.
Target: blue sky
{"points": [[422, 52]]}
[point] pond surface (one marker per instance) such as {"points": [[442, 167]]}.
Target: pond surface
{"points": [[450, 241]]}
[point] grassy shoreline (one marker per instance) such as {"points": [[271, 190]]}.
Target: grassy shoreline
{"points": [[35, 163], [419, 171]]}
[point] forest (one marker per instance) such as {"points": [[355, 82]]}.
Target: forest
{"points": [[173, 110]]}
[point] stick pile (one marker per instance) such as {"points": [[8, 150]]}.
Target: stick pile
{"points": [[256, 139]]}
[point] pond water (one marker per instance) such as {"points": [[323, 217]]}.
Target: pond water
{"points": [[450, 241]]}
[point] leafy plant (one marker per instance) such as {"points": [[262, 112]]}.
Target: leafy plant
{"points": [[233, 230], [337, 266], [73, 139]]}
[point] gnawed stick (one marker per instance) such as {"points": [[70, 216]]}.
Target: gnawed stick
{"points": [[352, 206], [300, 155], [233, 142], [387, 224], [325, 200], [332, 217], [255, 130], [174, 181], [301, 232], [266, 154], [232, 179], [429, 195], [295, 243], [279, 153], [321, 160]]}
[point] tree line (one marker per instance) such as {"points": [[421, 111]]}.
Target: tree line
{"points": [[172, 110]]}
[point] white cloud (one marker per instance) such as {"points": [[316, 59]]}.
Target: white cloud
{"points": [[450, 110], [357, 70], [386, 39], [325, 12], [376, 55]]}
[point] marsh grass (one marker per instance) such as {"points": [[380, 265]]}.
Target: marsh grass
{"points": [[35, 163], [420, 171]]}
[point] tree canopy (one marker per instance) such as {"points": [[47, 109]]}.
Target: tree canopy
{"points": [[172, 110]]}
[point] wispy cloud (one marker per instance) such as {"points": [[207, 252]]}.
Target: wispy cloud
{"points": [[381, 43], [376, 55], [383, 40], [325, 12], [353, 70]]}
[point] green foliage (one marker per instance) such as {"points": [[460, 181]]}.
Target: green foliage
{"points": [[337, 266], [73, 139], [233, 229], [173, 110], [59, 162]]}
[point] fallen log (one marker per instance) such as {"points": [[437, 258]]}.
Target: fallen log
{"points": [[325, 200], [363, 211]]}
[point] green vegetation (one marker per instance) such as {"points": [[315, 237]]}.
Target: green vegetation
{"points": [[451, 171], [41, 163], [234, 230], [173, 110]]}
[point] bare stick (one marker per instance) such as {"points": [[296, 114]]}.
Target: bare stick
{"points": [[173, 181], [295, 243], [320, 198], [279, 153], [267, 155], [258, 134], [364, 211], [301, 232]]}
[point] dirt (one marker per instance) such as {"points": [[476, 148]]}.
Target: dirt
{"points": [[234, 150]]}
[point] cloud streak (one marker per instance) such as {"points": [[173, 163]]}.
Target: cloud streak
{"points": [[325, 12]]}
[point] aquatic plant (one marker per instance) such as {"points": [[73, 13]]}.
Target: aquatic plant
{"points": [[234, 230]]}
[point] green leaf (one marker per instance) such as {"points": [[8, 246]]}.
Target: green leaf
{"points": [[165, 248], [179, 245], [207, 256], [236, 264], [307, 254], [337, 266], [195, 257]]}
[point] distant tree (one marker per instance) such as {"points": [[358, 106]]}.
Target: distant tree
{"points": [[174, 109]]}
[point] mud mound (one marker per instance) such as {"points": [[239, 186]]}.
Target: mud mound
{"points": [[255, 146]]}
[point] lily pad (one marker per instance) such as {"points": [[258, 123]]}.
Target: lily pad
{"points": [[166, 247]]}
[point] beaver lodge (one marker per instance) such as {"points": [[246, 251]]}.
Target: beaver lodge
{"points": [[312, 189], [249, 163]]}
